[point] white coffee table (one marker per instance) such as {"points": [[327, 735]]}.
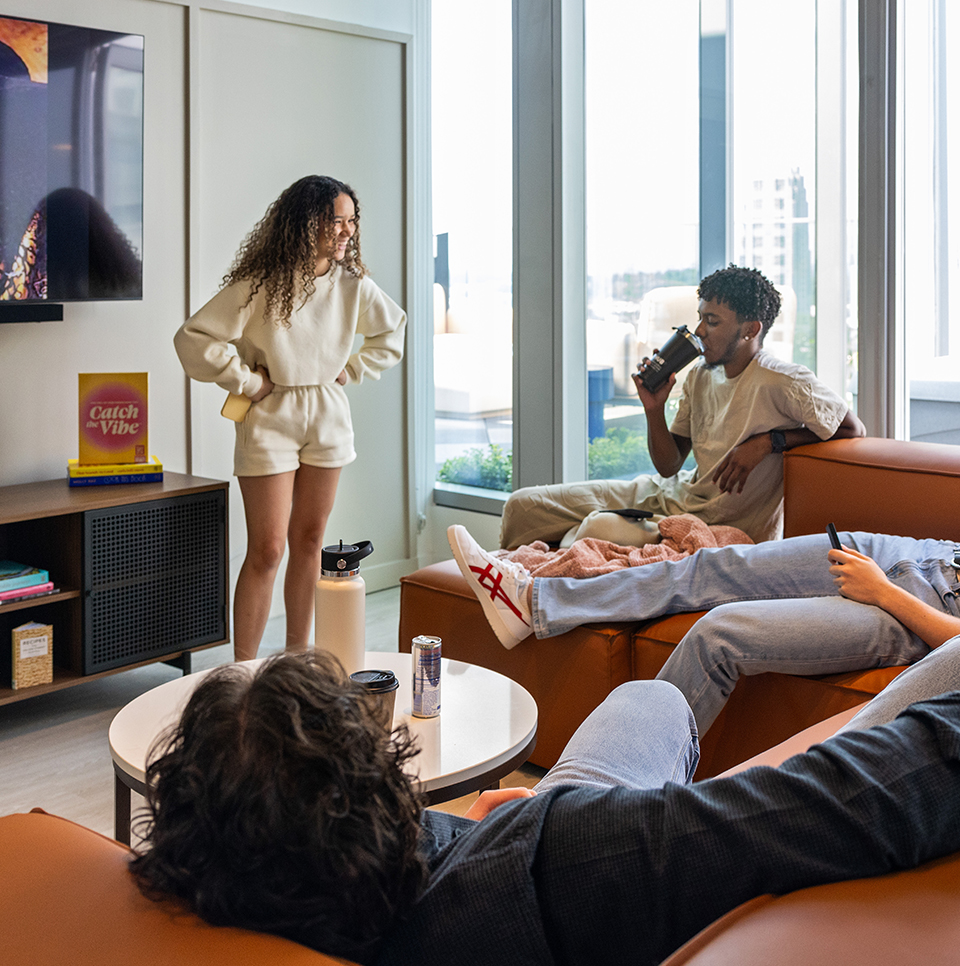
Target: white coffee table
{"points": [[486, 728]]}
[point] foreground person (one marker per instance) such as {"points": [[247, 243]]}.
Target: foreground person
{"points": [[280, 804], [793, 606]]}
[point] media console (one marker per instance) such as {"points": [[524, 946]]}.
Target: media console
{"points": [[141, 570]]}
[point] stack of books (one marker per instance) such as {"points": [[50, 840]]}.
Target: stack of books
{"points": [[105, 474], [113, 431], [19, 581]]}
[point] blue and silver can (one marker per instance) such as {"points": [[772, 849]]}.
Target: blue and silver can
{"points": [[426, 676]]}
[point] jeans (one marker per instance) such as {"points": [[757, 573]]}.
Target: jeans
{"points": [[643, 735], [937, 673], [775, 607]]}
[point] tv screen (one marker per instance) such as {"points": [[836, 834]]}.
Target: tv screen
{"points": [[71, 163]]}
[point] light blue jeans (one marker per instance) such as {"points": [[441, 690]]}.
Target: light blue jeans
{"points": [[773, 607], [642, 735], [937, 673]]}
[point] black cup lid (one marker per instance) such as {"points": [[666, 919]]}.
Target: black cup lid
{"points": [[376, 681]]}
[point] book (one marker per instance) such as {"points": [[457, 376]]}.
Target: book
{"points": [[15, 575], [113, 417], [37, 590], [32, 655], [75, 468], [112, 479]]}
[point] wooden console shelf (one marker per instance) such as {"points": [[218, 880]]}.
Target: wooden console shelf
{"points": [[141, 572]]}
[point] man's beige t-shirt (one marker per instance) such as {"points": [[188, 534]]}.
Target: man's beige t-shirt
{"points": [[717, 413]]}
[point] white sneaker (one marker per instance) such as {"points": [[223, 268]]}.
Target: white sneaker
{"points": [[500, 586]]}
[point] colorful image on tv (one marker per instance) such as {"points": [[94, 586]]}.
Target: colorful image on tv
{"points": [[71, 162]]}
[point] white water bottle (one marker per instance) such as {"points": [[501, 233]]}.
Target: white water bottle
{"points": [[340, 604]]}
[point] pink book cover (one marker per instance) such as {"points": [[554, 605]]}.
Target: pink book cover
{"points": [[113, 417]]}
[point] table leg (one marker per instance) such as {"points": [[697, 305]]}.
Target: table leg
{"points": [[121, 811]]}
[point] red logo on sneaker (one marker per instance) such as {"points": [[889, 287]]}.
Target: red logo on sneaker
{"points": [[494, 576]]}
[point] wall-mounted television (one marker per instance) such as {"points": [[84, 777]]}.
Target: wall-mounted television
{"points": [[71, 167]]}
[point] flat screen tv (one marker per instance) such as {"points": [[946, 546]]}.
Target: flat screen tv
{"points": [[71, 167]]}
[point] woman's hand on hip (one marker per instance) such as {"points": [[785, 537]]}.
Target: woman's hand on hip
{"points": [[265, 389], [342, 378]]}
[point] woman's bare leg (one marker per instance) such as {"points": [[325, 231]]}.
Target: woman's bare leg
{"points": [[314, 490], [266, 508]]}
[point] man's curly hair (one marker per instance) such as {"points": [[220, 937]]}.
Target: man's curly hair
{"points": [[279, 803], [745, 290], [280, 254]]}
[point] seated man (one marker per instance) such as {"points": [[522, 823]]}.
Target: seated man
{"points": [[740, 409], [793, 606], [280, 804]]}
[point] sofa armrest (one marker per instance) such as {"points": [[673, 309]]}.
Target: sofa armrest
{"points": [[66, 896], [890, 920], [876, 485]]}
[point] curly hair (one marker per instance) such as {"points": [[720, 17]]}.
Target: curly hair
{"points": [[745, 290], [280, 254], [279, 803]]}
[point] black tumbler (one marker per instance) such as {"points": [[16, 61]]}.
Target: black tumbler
{"points": [[682, 347]]}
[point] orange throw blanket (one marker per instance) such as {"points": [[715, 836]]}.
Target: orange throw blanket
{"points": [[680, 536]]}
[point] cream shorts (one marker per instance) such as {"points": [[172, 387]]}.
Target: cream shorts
{"points": [[294, 425]]}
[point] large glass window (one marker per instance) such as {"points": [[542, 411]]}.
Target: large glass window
{"points": [[472, 111], [713, 126], [929, 209]]}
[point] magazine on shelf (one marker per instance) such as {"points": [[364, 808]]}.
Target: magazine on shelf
{"points": [[15, 575], [76, 469], [24, 593], [113, 479]]}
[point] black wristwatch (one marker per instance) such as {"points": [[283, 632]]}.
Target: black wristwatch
{"points": [[778, 442]]}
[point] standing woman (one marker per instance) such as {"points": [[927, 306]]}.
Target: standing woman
{"points": [[281, 332]]}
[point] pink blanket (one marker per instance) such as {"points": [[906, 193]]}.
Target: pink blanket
{"points": [[680, 536]]}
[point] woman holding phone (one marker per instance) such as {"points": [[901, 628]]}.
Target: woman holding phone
{"points": [[281, 332]]}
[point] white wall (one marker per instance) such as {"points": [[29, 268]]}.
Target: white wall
{"points": [[239, 102]]}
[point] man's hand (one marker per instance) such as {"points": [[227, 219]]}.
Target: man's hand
{"points": [[740, 462], [653, 400], [859, 577], [494, 798]]}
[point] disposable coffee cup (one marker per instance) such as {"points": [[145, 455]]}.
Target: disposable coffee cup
{"points": [[381, 685], [682, 347]]}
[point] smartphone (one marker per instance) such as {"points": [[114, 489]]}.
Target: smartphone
{"points": [[631, 514], [834, 539], [235, 407]]}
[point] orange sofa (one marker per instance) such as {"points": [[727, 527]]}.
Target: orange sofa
{"points": [[66, 898], [889, 920], [868, 484]]}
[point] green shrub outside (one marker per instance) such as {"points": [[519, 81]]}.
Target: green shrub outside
{"points": [[489, 467], [620, 453]]}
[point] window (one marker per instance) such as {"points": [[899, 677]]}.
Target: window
{"points": [[929, 191], [747, 116], [473, 242]]}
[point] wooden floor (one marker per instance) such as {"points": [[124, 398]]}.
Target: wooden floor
{"points": [[53, 748]]}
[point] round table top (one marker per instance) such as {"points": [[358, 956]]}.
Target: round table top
{"points": [[486, 721]]}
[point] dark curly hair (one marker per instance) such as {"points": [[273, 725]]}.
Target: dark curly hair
{"points": [[280, 254], [279, 803], [745, 290]]}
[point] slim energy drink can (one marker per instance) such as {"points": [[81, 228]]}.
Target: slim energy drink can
{"points": [[426, 676]]}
